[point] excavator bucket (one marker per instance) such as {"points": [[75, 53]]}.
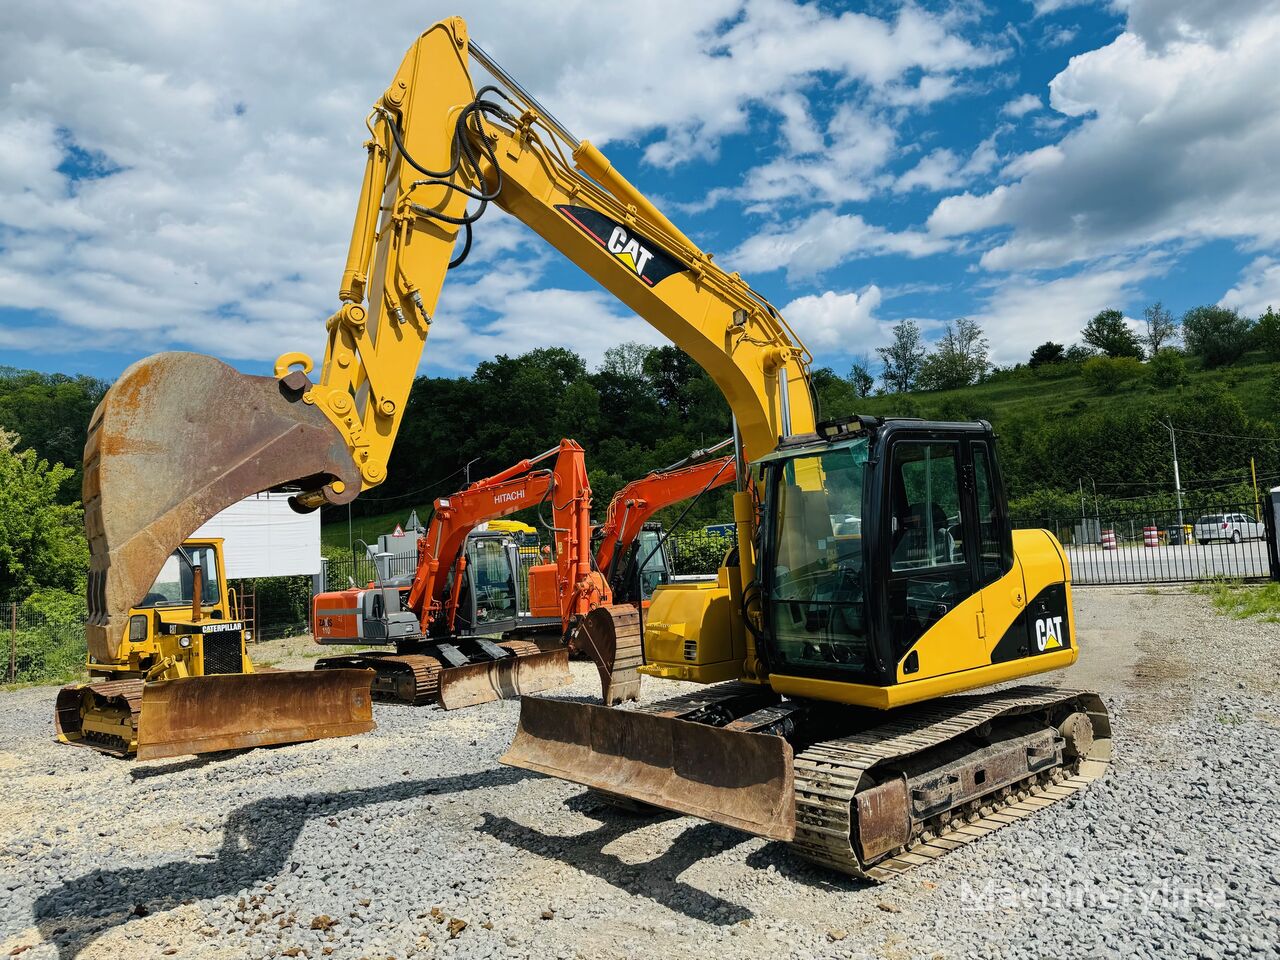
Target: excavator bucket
{"points": [[611, 636], [238, 711], [177, 438], [739, 779], [503, 679]]}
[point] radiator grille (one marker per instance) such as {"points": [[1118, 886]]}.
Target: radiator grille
{"points": [[222, 653], [691, 650]]}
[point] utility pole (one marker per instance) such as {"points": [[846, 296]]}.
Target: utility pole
{"points": [[1177, 479], [1257, 504]]}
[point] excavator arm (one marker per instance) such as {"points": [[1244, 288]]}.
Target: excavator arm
{"points": [[439, 152], [633, 505]]}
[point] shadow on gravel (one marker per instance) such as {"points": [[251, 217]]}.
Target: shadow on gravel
{"points": [[181, 766], [256, 842], [657, 880], [786, 864]]}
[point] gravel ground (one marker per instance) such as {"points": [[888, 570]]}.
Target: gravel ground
{"points": [[413, 841]]}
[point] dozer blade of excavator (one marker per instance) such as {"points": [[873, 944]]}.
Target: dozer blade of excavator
{"points": [[739, 779], [241, 710], [179, 437], [503, 679]]}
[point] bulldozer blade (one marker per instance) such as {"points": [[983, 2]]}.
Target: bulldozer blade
{"points": [[611, 637], [742, 780], [503, 679], [177, 438], [238, 711]]}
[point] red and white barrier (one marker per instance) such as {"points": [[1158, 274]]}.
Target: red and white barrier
{"points": [[1108, 540], [1150, 537]]}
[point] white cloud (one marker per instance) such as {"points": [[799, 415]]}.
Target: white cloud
{"points": [[1257, 289], [1023, 313], [221, 144], [937, 170], [1021, 106], [824, 240], [834, 321], [1045, 7], [1175, 143]]}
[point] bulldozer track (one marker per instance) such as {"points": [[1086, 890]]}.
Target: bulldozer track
{"points": [[424, 669], [68, 714], [828, 775]]}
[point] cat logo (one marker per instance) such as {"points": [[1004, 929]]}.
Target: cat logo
{"points": [[1049, 635], [649, 262], [628, 250]]}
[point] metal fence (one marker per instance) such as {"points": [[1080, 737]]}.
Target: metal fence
{"points": [[1231, 541], [43, 642]]}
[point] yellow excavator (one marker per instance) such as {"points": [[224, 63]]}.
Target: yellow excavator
{"points": [[178, 678], [875, 573]]}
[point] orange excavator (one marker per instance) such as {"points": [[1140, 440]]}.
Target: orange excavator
{"points": [[465, 585], [434, 661]]}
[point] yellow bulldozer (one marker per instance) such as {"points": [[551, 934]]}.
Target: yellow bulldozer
{"points": [[875, 573], [178, 679]]}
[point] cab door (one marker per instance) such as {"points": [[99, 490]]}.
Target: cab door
{"points": [[930, 597], [997, 579]]}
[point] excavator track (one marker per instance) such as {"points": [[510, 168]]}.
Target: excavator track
{"points": [[886, 793], [411, 678], [103, 715], [829, 776]]}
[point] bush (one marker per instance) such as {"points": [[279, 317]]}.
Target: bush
{"points": [[1216, 335], [50, 644], [1168, 368], [1106, 374], [697, 552], [1267, 333]]}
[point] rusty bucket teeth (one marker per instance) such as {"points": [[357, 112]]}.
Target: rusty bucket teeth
{"points": [[177, 438]]}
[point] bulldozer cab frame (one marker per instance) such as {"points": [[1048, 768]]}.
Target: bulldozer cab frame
{"points": [[177, 632]]}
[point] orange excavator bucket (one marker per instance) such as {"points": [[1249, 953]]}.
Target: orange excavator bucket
{"points": [[177, 438]]}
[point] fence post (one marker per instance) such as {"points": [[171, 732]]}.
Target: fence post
{"points": [[13, 644]]}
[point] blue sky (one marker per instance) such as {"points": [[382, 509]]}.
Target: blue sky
{"points": [[182, 177]]}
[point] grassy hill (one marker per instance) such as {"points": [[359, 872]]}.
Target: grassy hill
{"points": [[1062, 389]]}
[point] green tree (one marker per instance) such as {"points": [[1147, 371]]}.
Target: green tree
{"points": [[1168, 368], [1078, 353], [42, 541], [861, 377], [902, 358], [959, 358], [1048, 352], [1267, 332], [1161, 328], [50, 414], [1109, 333], [1217, 335]]}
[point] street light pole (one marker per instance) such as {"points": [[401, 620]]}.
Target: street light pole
{"points": [[1177, 479]]}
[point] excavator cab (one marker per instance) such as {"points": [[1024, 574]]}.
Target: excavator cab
{"points": [[489, 596]]}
